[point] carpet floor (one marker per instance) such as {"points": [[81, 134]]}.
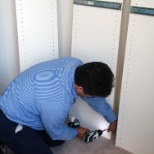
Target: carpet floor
{"points": [[77, 146], [99, 146]]}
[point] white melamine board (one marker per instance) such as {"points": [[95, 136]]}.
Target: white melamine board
{"points": [[143, 3], [136, 113], [88, 117], [37, 31], [95, 38]]}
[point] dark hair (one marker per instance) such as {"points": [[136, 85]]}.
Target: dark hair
{"points": [[96, 78]]}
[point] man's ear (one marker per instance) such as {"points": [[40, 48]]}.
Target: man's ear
{"points": [[78, 89]]}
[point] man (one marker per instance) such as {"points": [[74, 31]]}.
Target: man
{"points": [[35, 105]]}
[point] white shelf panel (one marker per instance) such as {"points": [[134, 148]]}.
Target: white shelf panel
{"points": [[95, 38], [37, 31], [135, 126]]}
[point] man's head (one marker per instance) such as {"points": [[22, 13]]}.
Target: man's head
{"points": [[94, 79]]}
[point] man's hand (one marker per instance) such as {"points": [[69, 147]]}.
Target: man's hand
{"points": [[112, 127], [81, 132]]}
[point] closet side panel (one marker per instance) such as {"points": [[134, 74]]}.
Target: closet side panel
{"points": [[37, 31], [95, 38], [136, 113]]}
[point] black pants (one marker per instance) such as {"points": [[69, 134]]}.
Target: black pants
{"points": [[27, 140]]}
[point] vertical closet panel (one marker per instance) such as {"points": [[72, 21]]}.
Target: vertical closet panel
{"points": [[136, 113], [95, 38], [37, 31]]}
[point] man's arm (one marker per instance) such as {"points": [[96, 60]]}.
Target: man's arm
{"points": [[54, 123], [53, 119], [101, 106]]}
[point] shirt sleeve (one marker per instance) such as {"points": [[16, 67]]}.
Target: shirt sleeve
{"points": [[53, 120], [101, 106]]}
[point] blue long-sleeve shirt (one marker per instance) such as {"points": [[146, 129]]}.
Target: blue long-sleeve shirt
{"points": [[41, 97]]}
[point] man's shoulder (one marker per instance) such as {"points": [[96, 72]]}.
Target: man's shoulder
{"points": [[71, 60]]}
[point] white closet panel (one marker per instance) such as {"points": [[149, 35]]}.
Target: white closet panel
{"points": [[37, 31], [136, 113], [95, 38]]}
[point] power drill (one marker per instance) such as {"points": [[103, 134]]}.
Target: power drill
{"points": [[89, 136]]}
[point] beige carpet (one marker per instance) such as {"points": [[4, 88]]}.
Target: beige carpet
{"points": [[99, 146], [77, 146]]}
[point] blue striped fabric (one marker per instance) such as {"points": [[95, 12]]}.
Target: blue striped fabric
{"points": [[41, 97], [101, 106]]}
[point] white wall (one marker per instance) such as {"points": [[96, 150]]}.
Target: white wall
{"points": [[8, 43], [65, 15]]}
